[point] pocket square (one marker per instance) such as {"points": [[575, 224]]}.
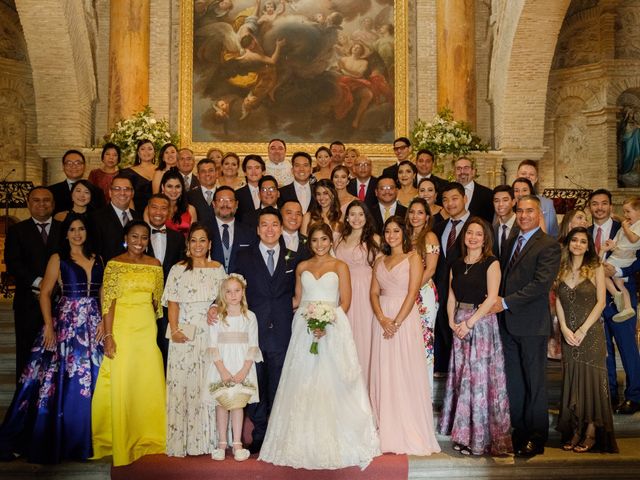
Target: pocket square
{"points": [[244, 245], [288, 271]]}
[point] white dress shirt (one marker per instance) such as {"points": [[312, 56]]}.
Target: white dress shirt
{"points": [[291, 240], [120, 212], [303, 192], [447, 229], [47, 228], [468, 191], [159, 243], [255, 195], [509, 223], [265, 256]]}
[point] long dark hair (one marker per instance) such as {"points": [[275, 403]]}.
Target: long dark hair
{"points": [[315, 209], [590, 261], [319, 226], [161, 163], [182, 203], [367, 237], [421, 240], [406, 240], [194, 228], [140, 143], [65, 247]]}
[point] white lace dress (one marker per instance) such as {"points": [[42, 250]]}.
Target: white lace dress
{"points": [[190, 422], [321, 417]]}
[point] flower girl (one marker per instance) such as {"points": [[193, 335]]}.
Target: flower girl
{"points": [[231, 381]]}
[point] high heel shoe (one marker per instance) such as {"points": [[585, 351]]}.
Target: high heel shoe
{"points": [[586, 445], [567, 447]]}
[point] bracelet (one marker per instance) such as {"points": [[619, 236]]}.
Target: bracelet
{"points": [[396, 324], [173, 332], [467, 325], [107, 335]]}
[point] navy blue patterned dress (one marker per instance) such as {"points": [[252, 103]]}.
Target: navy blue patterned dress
{"points": [[49, 419]]}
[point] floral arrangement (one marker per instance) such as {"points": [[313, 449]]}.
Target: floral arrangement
{"points": [[141, 126], [232, 395], [445, 136], [318, 316]]}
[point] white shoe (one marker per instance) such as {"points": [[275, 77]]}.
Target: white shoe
{"points": [[240, 454], [219, 453], [624, 315]]}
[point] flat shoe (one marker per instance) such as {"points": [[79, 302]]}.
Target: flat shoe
{"points": [[624, 315], [218, 454], [241, 454]]}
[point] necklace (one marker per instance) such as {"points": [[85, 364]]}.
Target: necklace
{"points": [[469, 266]]}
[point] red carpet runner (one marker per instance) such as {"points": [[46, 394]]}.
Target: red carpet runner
{"points": [[161, 467]]}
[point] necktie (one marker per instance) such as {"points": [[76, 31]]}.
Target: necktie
{"points": [[125, 218], [270, 263], [361, 192], [256, 198], [516, 253], [71, 184], [43, 232], [598, 240], [187, 182], [225, 235], [503, 238], [451, 239], [154, 230], [209, 196], [387, 213]]}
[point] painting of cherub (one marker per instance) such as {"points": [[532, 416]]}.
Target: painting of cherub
{"points": [[305, 70]]}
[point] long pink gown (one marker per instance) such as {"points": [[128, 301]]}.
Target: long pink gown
{"points": [[360, 313], [399, 389]]}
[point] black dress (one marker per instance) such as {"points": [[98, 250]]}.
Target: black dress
{"points": [[141, 188]]}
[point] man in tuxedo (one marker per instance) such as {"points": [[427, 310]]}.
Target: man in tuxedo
{"points": [[269, 269], [201, 197], [73, 164], [269, 196], [387, 205], [364, 185], [530, 266], [107, 224], [479, 197], [167, 246], [529, 169], [186, 162], [228, 235], [505, 228], [300, 189], [338, 151], [28, 246], [291, 212], [402, 151], [623, 333], [424, 164], [276, 166], [249, 196], [448, 232]]}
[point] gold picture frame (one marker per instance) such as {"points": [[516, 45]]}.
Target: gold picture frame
{"points": [[188, 82]]}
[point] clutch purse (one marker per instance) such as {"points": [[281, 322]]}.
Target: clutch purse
{"points": [[188, 329]]}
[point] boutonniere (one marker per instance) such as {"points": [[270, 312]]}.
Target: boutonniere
{"points": [[289, 255], [303, 240]]}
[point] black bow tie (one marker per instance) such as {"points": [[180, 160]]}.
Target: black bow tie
{"points": [[153, 230]]}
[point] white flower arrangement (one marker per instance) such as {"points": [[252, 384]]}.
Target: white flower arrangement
{"points": [[445, 136], [318, 315], [141, 126]]}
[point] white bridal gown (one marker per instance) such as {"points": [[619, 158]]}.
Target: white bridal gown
{"points": [[321, 417]]}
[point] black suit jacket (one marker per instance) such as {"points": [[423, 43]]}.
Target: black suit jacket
{"points": [[269, 297], [108, 232], [370, 195], [245, 202], [173, 253], [377, 215], [303, 252], [26, 258], [243, 238], [614, 229], [443, 267], [62, 197], [481, 204], [391, 171], [288, 193], [204, 211], [515, 230], [195, 183], [526, 285]]}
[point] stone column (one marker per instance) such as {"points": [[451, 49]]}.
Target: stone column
{"points": [[128, 58], [455, 26]]}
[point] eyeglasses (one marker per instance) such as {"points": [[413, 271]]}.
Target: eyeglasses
{"points": [[268, 189], [397, 149], [387, 188], [360, 165], [74, 163], [121, 189], [225, 201]]}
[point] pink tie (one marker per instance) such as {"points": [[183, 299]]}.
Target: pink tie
{"points": [[361, 192]]}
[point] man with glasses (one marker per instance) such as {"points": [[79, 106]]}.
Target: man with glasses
{"points": [[479, 198], [364, 185], [402, 151], [73, 164], [108, 223], [269, 196], [387, 206]]}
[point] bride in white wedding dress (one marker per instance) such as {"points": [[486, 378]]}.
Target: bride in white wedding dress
{"points": [[321, 417]]}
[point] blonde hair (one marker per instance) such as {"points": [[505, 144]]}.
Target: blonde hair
{"points": [[222, 302], [633, 201]]}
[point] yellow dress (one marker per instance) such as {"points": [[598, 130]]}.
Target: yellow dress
{"points": [[128, 410]]}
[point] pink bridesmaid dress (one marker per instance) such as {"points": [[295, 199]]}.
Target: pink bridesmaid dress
{"points": [[360, 313], [399, 388]]}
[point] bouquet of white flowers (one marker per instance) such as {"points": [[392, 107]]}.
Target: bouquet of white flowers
{"points": [[141, 126], [318, 316]]}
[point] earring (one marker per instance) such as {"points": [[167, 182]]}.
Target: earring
{"points": [[188, 253], [125, 245]]}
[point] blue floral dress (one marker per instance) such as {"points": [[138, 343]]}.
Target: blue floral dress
{"points": [[49, 419]]}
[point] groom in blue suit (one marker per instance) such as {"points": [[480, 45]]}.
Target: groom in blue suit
{"points": [[269, 269]]}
